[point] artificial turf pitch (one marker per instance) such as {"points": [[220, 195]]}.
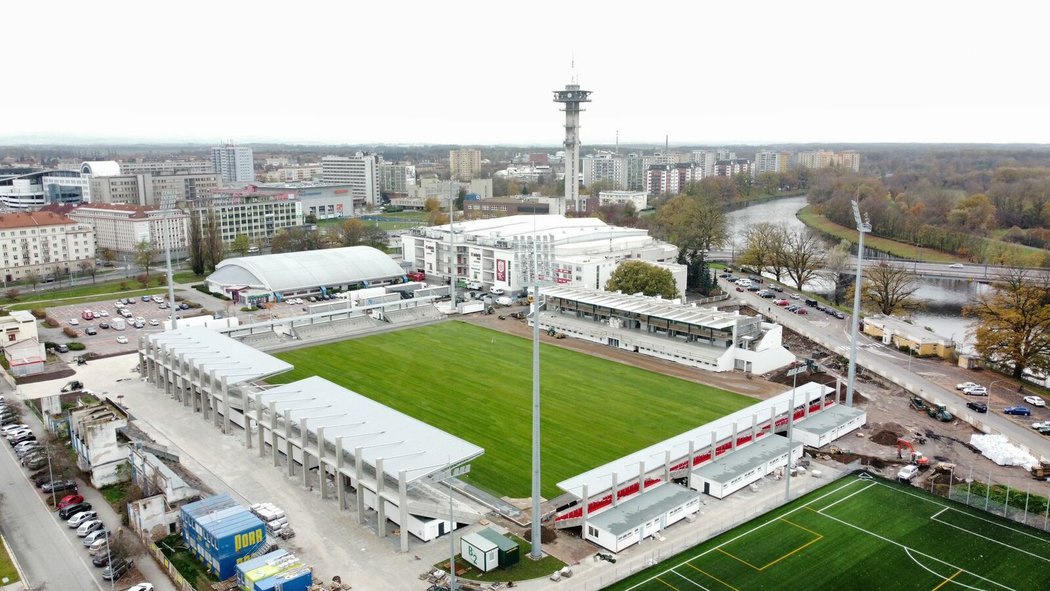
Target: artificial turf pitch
{"points": [[862, 533], [476, 383]]}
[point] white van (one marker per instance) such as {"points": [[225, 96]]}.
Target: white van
{"points": [[743, 283]]}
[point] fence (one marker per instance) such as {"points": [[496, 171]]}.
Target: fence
{"points": [[173, 573], [1013, 500]]}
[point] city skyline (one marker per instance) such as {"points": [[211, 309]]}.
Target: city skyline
{"points": [[820, 72]]}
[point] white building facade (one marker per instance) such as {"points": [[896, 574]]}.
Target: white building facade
{"points": [[121, 228], [636, 198], [360, 172], [512, 252]]}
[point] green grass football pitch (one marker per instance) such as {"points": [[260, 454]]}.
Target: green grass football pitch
{"points": [[476, 383], [862, 533]]}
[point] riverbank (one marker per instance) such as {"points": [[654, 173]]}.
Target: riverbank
{"points": [[894, 248]]}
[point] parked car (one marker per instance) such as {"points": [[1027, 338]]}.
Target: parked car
{"points": [[791, 308], [69, 500], [1035, 401], [907, 473], [67, 512], [77, 520], [16, 432], [802, 311], [794, 296], [91, 330], [102, 559], [976, 391], [40, 478], [474, 285], [58, 486], [1040, 425], [1021, 411], [155, 322], [103, 325], [955, 266], [496, 290], [15, 427], [117, 569], [811, 303], [838, 314], [977, 406], [86, 527], [777, 288], [765, 293], [123, 340], [782, 302], [73, 322], [965, 385], [62, 348], [146, 298], [21, 438], [141, 587], [97, 547], [34, 461], [95, 536]]}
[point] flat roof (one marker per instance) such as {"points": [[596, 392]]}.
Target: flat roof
{"points": [[642, 508], [227, 357], [506, 544], [904, 328], [828, 420], [480, 542], [649, 306], [728, 466], [404, 442], [626, 468]]}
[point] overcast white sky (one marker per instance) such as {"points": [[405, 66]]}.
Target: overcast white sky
{"points": [[466, 72]]}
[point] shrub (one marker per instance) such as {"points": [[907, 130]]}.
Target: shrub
{"points": [[51, 322], [38, 313], [13, 293], [123, 286], [70, 332], [76, 346], [249, 309]]}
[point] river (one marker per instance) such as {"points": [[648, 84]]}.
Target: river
{"points": [[943, 298]]}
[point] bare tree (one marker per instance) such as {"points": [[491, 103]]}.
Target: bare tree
{"points": [[803, 257], [766, 243], [837, 266], [889, 288], [88, 267]]}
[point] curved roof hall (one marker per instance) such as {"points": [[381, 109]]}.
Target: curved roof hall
{"points": [[292, 271], [100, 168]]}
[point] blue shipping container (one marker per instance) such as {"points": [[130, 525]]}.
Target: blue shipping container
{"points": [[221, 533]]}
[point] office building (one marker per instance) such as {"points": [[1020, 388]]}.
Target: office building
{"points": [[120, 228], [233, 164], [636, 198], [169, 167], [259, 215], [396, 177], [149, 189]]}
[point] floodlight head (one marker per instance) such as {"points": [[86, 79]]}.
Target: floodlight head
{"points": [[863, 222]]}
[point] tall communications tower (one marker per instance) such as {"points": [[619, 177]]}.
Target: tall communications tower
{"points": [[571, 97]]}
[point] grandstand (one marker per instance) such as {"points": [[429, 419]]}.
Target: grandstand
{"points": [[427, 313]]}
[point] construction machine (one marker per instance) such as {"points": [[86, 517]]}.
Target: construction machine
{"points": [[939, 412], [914, 457]]}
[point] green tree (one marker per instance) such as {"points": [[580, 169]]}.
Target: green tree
{"points": [[214, 248], [695, 225], [354, 232], [641, 277], [298, 239], [241, 244], [108, 256], [889, 288], [196, 244], [144, 253], [1013, 322], [311, 218]]}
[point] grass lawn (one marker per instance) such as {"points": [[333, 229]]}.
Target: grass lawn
{"points": [[7, 565], [75, 295], [476, 383], [861, 533], [525, 570], [186, 563]]}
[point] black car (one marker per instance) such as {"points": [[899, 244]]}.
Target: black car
{"points": [[117, 569], [102, 559], [755, 278], [977, 406], [103, 325], [59, 486], [777, 288], [838, 314], [724, 275], [754, 288], [40, 478], [71, 510]]}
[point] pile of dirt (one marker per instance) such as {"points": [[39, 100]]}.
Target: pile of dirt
{"points": [[885, 437]]}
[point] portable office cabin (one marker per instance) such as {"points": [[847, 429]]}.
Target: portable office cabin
{"points": [[276, 570], [221, 533], [480, 551], [293, 580], [509, 554]]}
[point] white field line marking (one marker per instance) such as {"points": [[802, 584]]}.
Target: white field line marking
{"points": [[898, 544], [691, 581], [937, 574], [1006, 527], [1014, 548], [846, 497], [750, 531], [939, 512]]}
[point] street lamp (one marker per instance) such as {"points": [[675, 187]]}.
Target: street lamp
{"points": [[863, 227]]}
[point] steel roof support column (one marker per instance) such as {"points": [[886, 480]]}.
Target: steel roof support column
{"points": [[320, 463], [359, 470], [380, 502], [402, 506], [273, 433], [340, 483], [225, 385]]}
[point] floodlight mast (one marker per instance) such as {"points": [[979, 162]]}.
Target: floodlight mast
{"points": [[863, 227]]}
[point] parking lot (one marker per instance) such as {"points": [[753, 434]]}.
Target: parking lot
{"points": [[108, 338]]}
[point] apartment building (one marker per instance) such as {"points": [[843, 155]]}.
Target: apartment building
{"points": [[769, 161], [147, 189], [733, 167], [465, 164], [234, 164], [256, 214], [828, 159], [396, 177], [43, 243], [671, 179]]}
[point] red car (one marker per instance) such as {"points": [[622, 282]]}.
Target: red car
{"points": [[69, 500], [781, 302], [801, 312]]}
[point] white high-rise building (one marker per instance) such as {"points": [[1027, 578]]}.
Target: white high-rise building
{"points": [[233, 164], [360, 171], [769, 161]]}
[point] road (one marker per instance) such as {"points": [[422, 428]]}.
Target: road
{"points": [[974, 272], [833, 334], [37, 538]]}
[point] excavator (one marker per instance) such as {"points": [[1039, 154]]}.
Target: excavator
{"points": [[915, 457]]}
